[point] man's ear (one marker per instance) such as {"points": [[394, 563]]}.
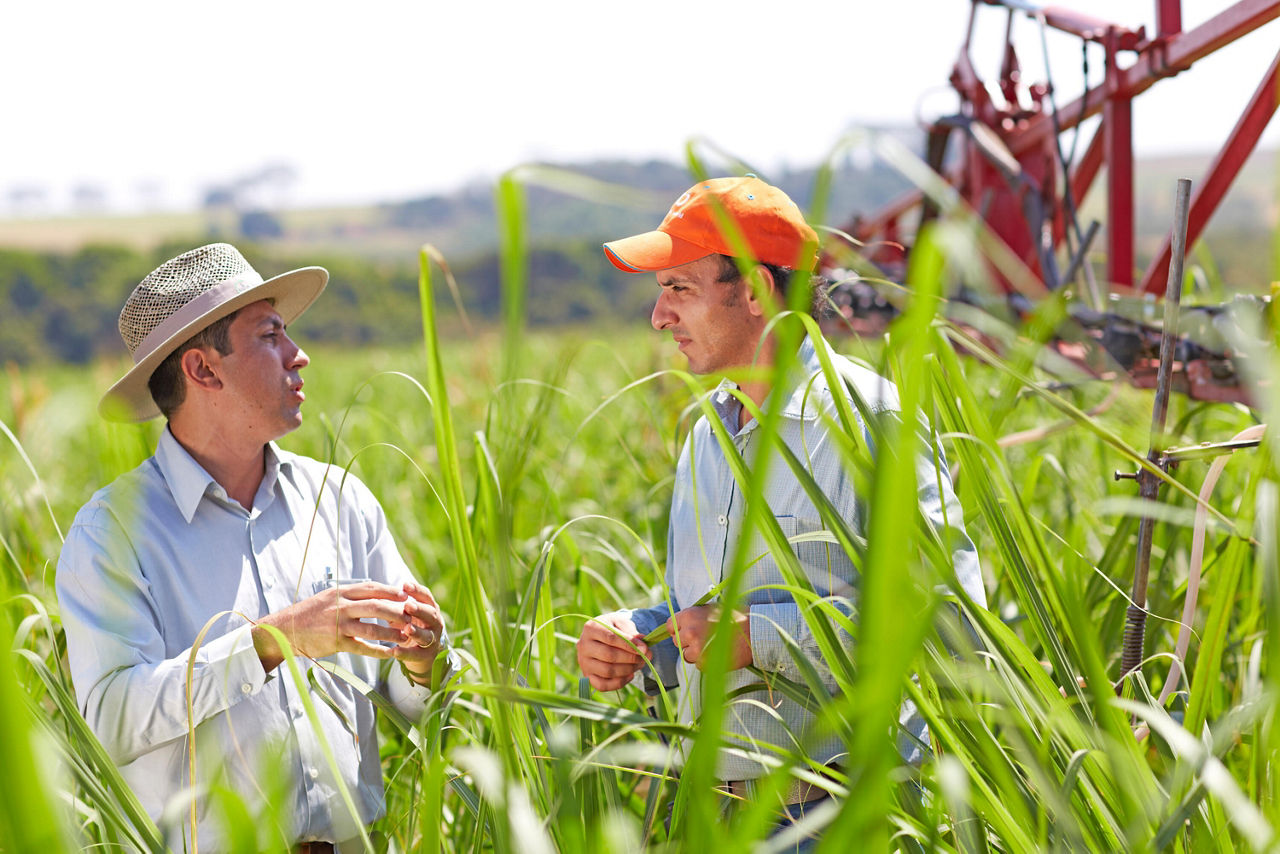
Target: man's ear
{"points": [[763, 291], [200, 369]]}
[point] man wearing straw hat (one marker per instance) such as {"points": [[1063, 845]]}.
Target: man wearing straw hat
{"points": [[725, 257], [178, 581]]}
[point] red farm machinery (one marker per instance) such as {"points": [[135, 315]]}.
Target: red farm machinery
{"points": [[1003, 153]]}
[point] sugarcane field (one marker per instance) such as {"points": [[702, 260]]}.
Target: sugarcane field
{"points": [[666, 428]]}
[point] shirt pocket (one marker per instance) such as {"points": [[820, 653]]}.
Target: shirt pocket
{"points": [[822, 560], [328, 562]]}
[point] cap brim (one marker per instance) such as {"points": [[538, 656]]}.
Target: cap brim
{"points": [[653, 251], [293, 293]]}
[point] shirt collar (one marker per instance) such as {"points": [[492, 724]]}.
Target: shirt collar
{"points": [[801, 394], [804, 396], [276, 462], [189, 482]]}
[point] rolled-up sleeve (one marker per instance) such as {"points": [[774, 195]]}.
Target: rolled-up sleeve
{"points": [[666, 657]]}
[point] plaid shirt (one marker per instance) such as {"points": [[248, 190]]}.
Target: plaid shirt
{"points": [[706, 525]]}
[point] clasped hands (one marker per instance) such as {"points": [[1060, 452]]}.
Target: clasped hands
{"points": [[611, 649], [340, 619]]}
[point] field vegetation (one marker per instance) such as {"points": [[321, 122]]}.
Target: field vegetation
{"points": [[526, 475]]}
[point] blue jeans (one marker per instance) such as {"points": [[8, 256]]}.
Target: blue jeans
{"points": [[792, 814], [779, 838]]}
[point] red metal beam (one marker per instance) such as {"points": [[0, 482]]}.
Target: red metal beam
{"points": [[1179, 54], [1076, 23], [1117, 128], [1168, 18], [1169, 53], [889, 213], [1092, 29], [1244, 136]]}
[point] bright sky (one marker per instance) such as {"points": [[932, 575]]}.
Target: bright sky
{"points": [[379, 100]]}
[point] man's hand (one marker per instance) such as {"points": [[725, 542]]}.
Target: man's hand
{"points": [[693, 627], [421, 633], [610, 651], [333, 620]]}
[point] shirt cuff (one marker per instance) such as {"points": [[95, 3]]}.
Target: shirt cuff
{"points": [[410, 697], [645, 619], [666, 657], [405, 694], [235, 655]]}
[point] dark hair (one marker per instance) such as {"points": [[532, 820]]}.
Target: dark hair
{"points": [[819, 304], [168, 389]]}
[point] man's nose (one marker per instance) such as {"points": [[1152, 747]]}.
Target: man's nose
{"points": [[300, 358], [662, 316]]}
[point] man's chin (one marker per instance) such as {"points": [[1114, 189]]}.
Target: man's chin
{"points": [[289, 423], [690, 362], [697, 367]]}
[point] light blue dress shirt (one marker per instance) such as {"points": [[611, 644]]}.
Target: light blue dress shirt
{"points": [[707, 518], [163, 555]]}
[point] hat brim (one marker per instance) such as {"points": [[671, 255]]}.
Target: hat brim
{"points": [[129, 400], [653, 251]]}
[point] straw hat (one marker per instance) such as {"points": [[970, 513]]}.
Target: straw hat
{"points": [[185, 295]]}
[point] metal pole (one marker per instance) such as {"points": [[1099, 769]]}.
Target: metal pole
{"points": [[1077, 262], [1149, 484]]}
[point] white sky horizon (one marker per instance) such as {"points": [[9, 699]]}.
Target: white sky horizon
{"points": [[155, 102]]}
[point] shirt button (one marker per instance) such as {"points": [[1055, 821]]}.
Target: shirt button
{"points": [[246, 688], [722, 520], [268, 584], [313, 773]]}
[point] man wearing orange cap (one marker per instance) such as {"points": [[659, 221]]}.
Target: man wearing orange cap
{"points": [[177, 580], [716, 304]]}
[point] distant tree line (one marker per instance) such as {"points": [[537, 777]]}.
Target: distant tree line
{"points": [[57, 307], [64, 307]]}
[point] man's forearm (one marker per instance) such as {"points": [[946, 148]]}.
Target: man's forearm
{"points": [[134, 709]]}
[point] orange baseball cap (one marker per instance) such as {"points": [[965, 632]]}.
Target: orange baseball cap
{"points": [[772, 225]]}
